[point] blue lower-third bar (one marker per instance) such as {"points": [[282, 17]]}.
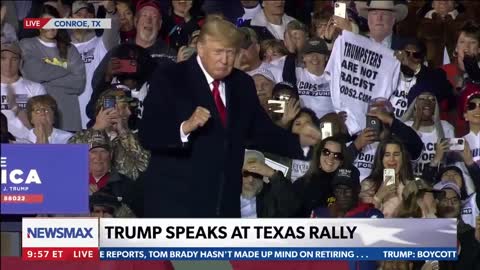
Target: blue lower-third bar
{"points": [[347, 254]]}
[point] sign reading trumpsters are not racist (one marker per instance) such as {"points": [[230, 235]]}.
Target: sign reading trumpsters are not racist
{"points": [[360, 70]]}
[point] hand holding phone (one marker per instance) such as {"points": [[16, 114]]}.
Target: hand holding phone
{"points": [[374, 124], [281, 105], [326, 129], [109, 102], [389, 177], [456, 144]]}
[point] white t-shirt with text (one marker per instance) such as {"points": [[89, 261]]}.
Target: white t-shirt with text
{"points": [[314, 92], [429, 140], [399, 97], [92, 52]]}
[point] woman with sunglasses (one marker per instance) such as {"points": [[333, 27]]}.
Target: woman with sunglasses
{"points": [[314, 188], [390, 154], [472, 157], [472, 116]]}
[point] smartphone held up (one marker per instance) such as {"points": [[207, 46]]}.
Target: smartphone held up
{"points": [[389, 177], [326, 130], [280, 107], [456, 144], [340, 10], [375, 124], [109, 102]]}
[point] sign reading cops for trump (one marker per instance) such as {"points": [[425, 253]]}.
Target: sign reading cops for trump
{"points": [[360, 70], [44, 179]]}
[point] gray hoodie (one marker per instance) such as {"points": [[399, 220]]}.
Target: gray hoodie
{"points": [[64, 84]]}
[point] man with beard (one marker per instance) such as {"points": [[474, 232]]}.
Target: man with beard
{"points": [[148, 21], [423, 115]]}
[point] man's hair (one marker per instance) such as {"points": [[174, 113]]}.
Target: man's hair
{"points": [[274, 44], [310, 113], [45, 100], [471, 29], [128, 3], [222, 30], [318, 17], [296, 25]]}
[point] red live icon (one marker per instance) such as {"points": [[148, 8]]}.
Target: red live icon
{"points": [[34, 23], [60, 254]]}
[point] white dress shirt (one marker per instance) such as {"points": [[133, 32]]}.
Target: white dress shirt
{"points": [[58, 136], [221, 88], [453, 13], [387, 41], [248, 207]]}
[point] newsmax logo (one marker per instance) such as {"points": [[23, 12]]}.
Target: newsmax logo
{"points": [[60, 233]]}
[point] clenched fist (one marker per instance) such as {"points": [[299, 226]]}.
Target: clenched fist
{"points": [[198, 119]]}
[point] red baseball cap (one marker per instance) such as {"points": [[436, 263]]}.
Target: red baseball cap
{"points": [[148, 3]]}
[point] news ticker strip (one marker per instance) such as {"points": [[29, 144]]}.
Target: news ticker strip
{"points": [[56, 23], [254, 253], [238, 239]]}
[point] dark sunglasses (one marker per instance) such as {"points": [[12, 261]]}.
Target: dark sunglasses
{"points": [[254, 175], [472, 106], [416, 55], [336, 155]]}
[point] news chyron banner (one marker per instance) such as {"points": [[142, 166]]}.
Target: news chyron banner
{"points": [[239, 239], [60, 239], [44, 179], [67, 23]]}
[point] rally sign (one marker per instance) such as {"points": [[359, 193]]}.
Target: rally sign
{"points": [[360, 70], [44, 179]]}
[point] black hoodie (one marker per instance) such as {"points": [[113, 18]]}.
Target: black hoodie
{"points": [[314, 191]]}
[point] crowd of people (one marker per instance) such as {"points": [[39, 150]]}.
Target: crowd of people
{"points": [[108, 89]]}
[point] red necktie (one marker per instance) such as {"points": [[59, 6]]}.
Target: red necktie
{"points": [[219, 103]]}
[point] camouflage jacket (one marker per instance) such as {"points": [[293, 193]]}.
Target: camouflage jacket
{"points": [[129, 157]]}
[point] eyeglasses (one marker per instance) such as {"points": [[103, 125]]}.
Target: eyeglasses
{"points": [[336, 155], [416, 55], [453, 200], [472, 106], [42, 110]]}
